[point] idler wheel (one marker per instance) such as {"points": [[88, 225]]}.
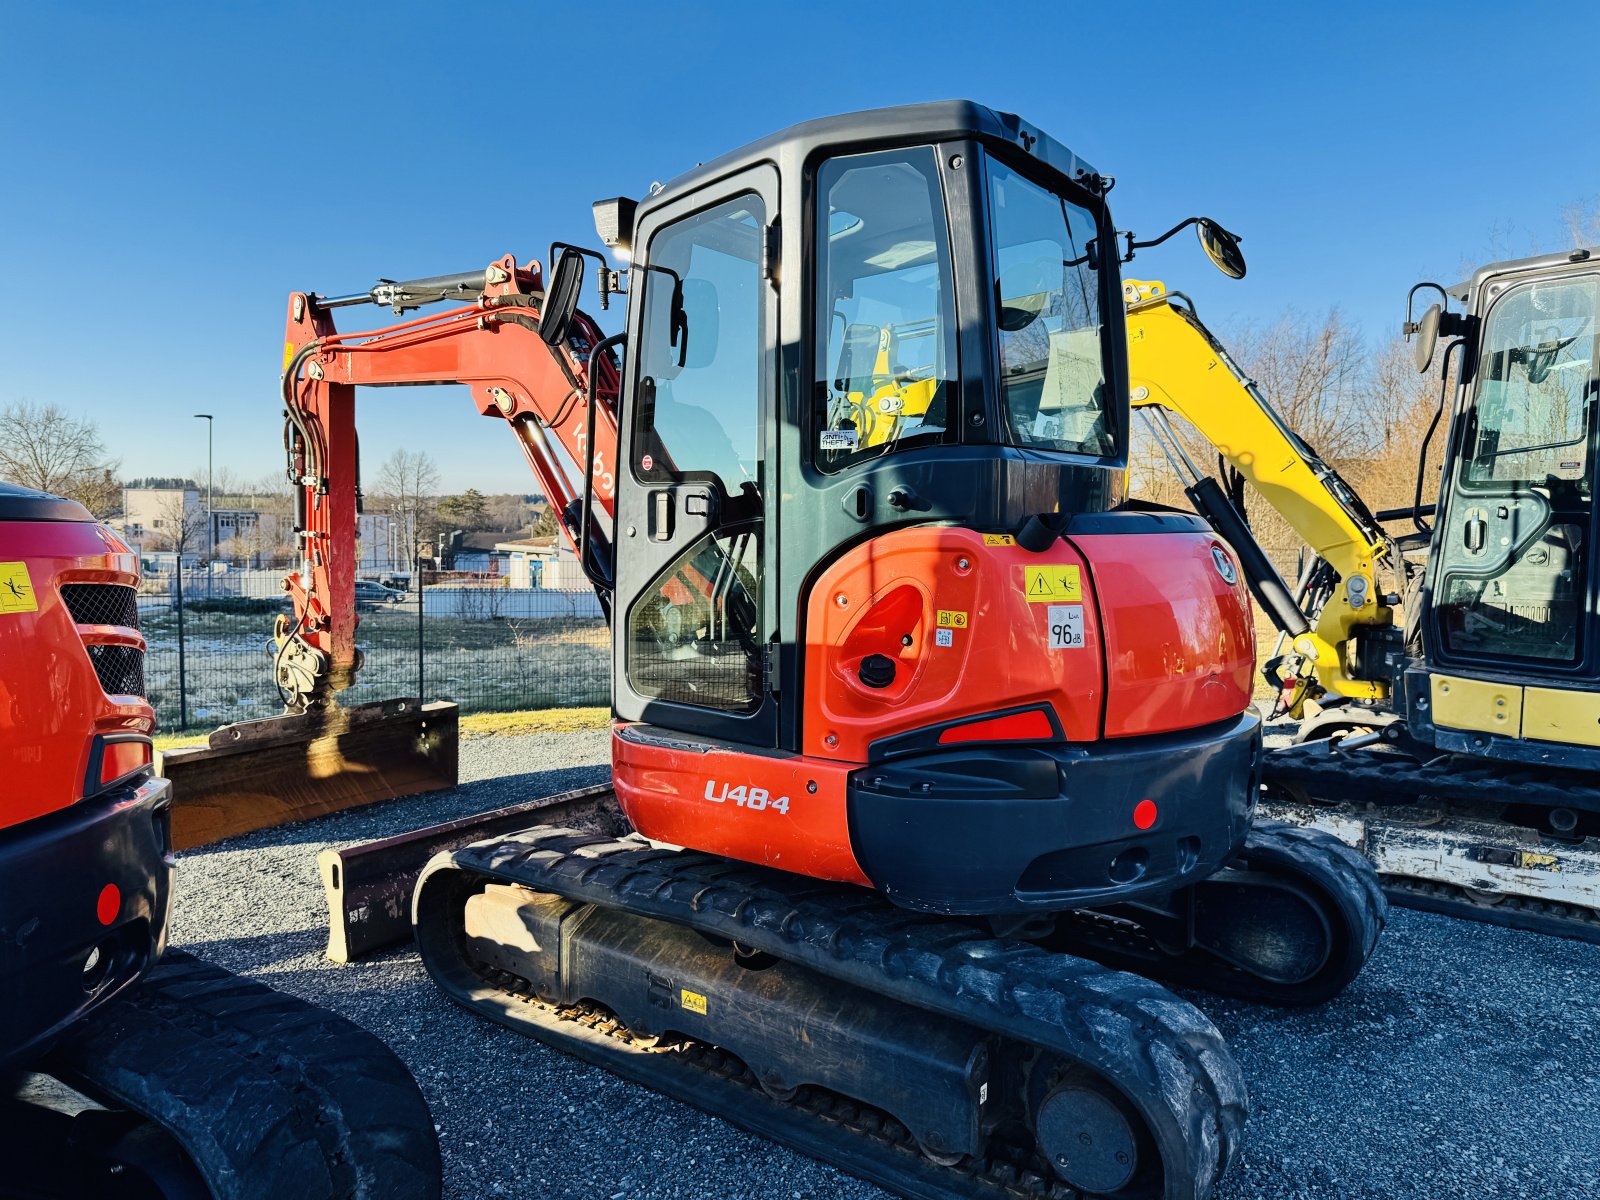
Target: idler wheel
{"points": [[1088, 1139]]}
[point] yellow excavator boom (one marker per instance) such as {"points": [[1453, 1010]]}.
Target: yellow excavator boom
{"points": [[1177, 365]]}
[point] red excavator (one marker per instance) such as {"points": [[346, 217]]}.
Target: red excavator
{"points": [[916, 717], [122, 1077]]}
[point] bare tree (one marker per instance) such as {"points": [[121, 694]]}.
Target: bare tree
{"points": [[182, 525], [407, 484], [510, 513], [43, 446], [1583, 221]]}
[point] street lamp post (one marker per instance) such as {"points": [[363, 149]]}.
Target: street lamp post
{"points": [[210, 520]]}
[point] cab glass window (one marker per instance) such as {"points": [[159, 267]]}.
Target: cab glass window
{"points": [[701, 350], [886, 358], [1052, 361], [1536, 379]]}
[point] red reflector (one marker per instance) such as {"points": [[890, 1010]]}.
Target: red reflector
{"points": [[109, 904], [1024, 726], [1144, 814], [121, 757]]}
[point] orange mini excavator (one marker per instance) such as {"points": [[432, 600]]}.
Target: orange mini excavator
{"points": [[122, 1077], [915, 715]]}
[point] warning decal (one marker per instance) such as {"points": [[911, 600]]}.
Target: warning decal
{"points": [[950, 618], [999, 539], [693, 1001], [16, 589], [1053, 585]]}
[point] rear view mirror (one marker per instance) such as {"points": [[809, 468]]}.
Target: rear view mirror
{"points": [[1427, 335], [1221, 247], [561, 298]]}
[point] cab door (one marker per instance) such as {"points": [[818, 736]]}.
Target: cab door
{"points": [[1513, 554], [694, 615]]}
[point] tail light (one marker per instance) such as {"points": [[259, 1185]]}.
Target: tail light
{"points": [[112, 760]]}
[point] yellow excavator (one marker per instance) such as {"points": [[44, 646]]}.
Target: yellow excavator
{"points": [[1459, 748]]}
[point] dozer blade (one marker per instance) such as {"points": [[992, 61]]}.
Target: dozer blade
{"points": [[258, 774], [369, 887]]}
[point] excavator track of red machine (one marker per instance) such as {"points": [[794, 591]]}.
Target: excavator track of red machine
{"points": [[1059, 1034]]}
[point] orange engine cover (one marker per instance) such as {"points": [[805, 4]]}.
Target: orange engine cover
{"points": [[52, 705], [1180, 639], [1120, 634]]}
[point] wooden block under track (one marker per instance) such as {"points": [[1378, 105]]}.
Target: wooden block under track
{"points": [[259, 774]]}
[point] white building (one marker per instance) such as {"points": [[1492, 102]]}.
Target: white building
{"points": [[154, 516], [248, 536], [543, 562]]}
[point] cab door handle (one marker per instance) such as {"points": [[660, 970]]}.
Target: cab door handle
{"points": [[1473, 534], [661, 515]]}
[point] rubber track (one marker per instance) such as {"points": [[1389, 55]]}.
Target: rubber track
{"points": [[1162, 1052], [1326, 859], [1313, 856], [1374, 776], [269, 1095], [1389, 778], [1514, 912]]}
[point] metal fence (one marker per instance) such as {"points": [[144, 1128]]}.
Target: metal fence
{"points": [[488, 647]]}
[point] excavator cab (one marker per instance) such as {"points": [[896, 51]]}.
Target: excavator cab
{"points": [[1513, 656], [863, 358]]}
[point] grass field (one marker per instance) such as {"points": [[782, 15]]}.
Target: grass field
{"points": [[483, 665]]}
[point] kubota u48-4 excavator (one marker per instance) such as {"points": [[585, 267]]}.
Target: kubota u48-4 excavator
{"points": [[928, 705]]}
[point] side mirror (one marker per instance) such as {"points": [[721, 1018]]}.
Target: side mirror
{"points": [[1427, 334], [1221, 247], [561, 298]]}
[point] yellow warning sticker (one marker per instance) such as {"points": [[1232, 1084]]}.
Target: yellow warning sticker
{"points": [[16, 589], [1053, 585], [950, 618], [999, 539], [694, 1002]]}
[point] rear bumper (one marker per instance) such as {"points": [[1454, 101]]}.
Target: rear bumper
{"points": [[1008, 829], [56, 909]]}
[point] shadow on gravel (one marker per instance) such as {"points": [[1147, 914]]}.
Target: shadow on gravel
{"points": [[261, 949], [379, 820]]}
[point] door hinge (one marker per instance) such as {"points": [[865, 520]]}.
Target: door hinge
{"points": [[771, 247], [769, 664]]}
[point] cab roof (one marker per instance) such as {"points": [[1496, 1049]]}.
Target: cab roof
{"points": [[939, 120]]}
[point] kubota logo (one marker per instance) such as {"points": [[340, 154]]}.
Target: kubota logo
{"points": [[1224, 565]]}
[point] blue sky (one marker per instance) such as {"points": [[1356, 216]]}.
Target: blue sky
{"points": [[172, 172]]}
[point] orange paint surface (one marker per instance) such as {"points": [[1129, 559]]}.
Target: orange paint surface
{"points": [[726, 802]]}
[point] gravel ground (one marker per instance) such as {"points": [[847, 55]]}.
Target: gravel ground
{"points": [[1461, 1064]]}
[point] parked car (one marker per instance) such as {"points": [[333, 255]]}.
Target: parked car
{"points": [[370, 594]]}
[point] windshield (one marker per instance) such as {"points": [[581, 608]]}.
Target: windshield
{"points": [[886, 358], [1536, 387], [1052, 362]]}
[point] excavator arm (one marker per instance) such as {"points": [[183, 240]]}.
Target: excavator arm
{"points": [[492, 345], [321, 756], [1178, 366]]}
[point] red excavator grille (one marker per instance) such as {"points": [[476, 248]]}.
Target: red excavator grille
{"points": [[101, 604], [119, 668]]}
